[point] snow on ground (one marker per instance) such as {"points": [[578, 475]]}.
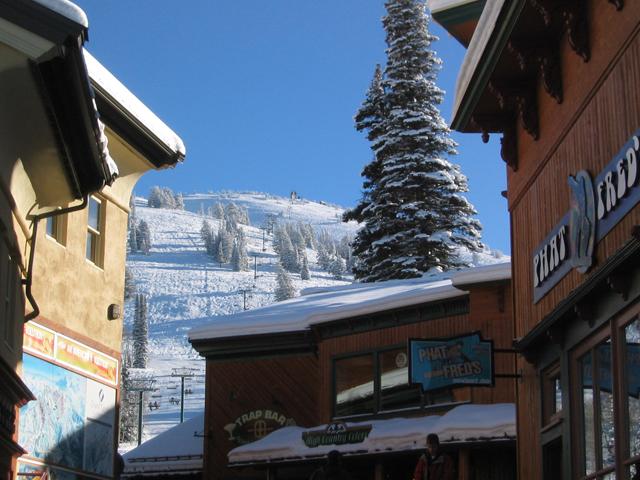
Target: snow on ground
{"points": [[184, 288]]}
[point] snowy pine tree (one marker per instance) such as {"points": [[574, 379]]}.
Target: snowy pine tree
{"points": [[140, 333], [304, 269], [412, 209], [129, 284], [284, 287], [143, 237], [337, 268]]}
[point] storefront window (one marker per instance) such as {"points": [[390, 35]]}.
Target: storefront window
{"points": [[552, 394], [632, 373], [354, 385], [395, 390], [588, 421]]}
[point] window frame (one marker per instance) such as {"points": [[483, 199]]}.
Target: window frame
{"points": [[59, 233], [613, 329], [97, 235], [377, 394]]}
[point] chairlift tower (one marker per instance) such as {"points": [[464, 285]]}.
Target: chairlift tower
{"points": [[182, 372]]}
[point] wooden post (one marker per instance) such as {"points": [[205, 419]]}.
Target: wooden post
{"points": [[464, 464], [378, 472]]}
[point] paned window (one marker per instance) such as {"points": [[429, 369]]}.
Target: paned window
{"points": [[607, 426], [378, 381], [552, 394], [95, 224], [56, 227]]}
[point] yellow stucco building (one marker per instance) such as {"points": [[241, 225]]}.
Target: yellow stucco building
{"points": [[73, 143]]}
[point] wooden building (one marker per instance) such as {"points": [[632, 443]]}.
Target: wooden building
{"points": [[73, 143], [283, 379], [559, 82]]}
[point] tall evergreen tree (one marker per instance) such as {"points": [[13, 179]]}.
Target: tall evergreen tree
{"points": [[129, 284], [304, 269], [140, 333], [284, 287], [412, 209], [143, 237]]}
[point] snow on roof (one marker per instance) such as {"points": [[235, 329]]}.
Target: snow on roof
{"points": [[486, 273], [479, 41], [129, 102], [66, 9], [298, 314], [179, 448], [464, 423], [327, 304]]}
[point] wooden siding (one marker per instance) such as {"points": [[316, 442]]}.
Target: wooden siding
{"points": [[600, 112], [288, 385], [485, 315], [608, 120]]}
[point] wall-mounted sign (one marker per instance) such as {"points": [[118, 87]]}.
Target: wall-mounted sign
{"points": [[596, 207], [51, 345], [337, 433], [254, 425], [450, 362]]}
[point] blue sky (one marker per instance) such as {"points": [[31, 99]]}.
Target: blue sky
{"points": [[263, 94]]}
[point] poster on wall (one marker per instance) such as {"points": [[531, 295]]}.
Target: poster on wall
{"points": [[71, 424]]}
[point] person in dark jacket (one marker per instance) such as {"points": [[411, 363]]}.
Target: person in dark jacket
{"points": [[332, 470], [434, 464]]}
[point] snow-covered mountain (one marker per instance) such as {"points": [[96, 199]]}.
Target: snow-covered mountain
{"points": [[185, 288]]}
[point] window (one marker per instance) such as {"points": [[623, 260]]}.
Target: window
{"points": [[94, 231], [551, 395], [378, 381], [56, 227], [607, 424]]}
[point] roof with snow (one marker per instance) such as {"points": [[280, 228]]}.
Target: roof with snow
{"points": [[114, 95], [177, 450], [462, 424], [322, 305], [66, 9]]}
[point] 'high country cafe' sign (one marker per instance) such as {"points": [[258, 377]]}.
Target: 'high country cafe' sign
{"points": [[596, 207]]}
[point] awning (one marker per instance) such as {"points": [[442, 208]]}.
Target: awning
{"points": [[469, 423]]}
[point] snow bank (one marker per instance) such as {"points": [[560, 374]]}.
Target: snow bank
{"points": [[177, 449], [127, 100], [465, 423]]}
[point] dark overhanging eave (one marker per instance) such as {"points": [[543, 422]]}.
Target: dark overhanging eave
{"points": [[256, 346], [134, 132], [486, 65], [65, 90], [42, 21]]}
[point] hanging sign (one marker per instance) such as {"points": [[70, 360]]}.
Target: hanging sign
{"points": [[336, 433], [451, 362], [596, 207]]}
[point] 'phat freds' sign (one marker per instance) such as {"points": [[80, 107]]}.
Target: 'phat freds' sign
{"points": [[254, 425], [337, 433], [451, 362], [596, 207]]}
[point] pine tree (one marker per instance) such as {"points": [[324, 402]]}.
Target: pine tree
{"points": [[207, 237], [239, 257], [412, 209], [143, 237], [140, 333], [129, 284], [304, 270], [128, 411], [218, 211], [284, 288], [337, 268]]}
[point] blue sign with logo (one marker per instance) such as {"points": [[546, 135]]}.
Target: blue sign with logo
{"points": [[450, 362]]}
